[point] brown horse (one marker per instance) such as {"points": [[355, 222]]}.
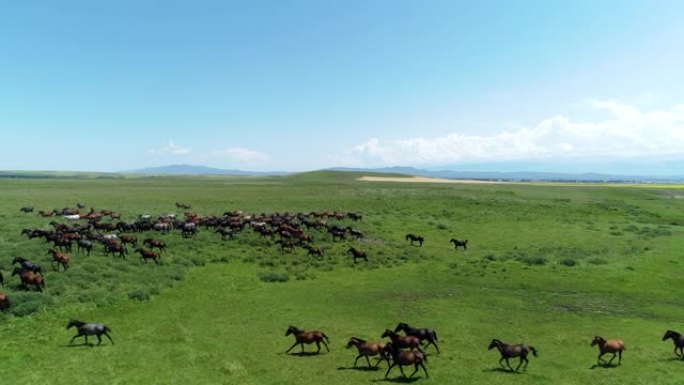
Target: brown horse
{"points": [[508, 351], [367, 349], [303, 337], [405, 358], [29, 278], [132, 239], [148, 254], [358, 254], [4, 302], [152, 243], [609, 346], [317, 251], [59, 259], [678, 340], [410, 342]]}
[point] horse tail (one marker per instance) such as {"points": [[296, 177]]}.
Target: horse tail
{"points": [[534, 351]]}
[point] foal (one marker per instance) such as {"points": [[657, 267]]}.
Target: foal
{"points": [[89, 329], [678, 340], [457, 244], [303, 337], [405, 358], [508, 351], [368, 349], [59, 258], [609, 346]]}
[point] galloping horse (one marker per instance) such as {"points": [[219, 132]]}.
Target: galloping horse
{"points": [[59, 258], [678, 340], [148, 254], [367, 349], [405, 358], [84, 244], [358, 254], [303, 337], [507, 351], [89, 329], [457, 244], [415, 238], [317, 251], [609, 346], [28, 265], [152, 243], [410, 342], [26, 209], [29, 278], [423, 334]]}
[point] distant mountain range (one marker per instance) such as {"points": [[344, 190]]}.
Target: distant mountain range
{"points": [[516, 175], [187, 169]]}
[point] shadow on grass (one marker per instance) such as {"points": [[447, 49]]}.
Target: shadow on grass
{"points": [[78, 345], [500, 370], [399, 380], [303, 354], [360, 368], [604, 366]]}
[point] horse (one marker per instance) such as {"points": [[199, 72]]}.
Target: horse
{"points": [[314, 251], [508, 351], [367, 349], [358, 254], [225, 233], [423, 334], [152, 243], [303, 337], [188, 229], [405, 358], [29, 278], [89, 329], [354, 216], [5, 302], [415, 238], [59, 258], [609, 346], [84, 244], [162, 227], [181, 205], [457, 244], [62, 243], [410, 342], [148, 254], [285, 244], [45, 214], [26, 209], [678, 340], [338, 233], [112, 247], [132, 239], [2, 280], [355, 233], [73, 217], [28, 265]]}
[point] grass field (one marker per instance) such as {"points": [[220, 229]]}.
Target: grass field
{"points": [[548, 265]]}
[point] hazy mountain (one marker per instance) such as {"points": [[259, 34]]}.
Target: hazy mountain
{"points": [[187, 169]]}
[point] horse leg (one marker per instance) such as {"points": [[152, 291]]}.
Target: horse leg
{"points": [[501, 362], [612, 358], [390, 368], [110, 338], [326, 346], [620, 357], [74, 337], [318, 344], [357, 359], [291, 347], [599, 358], [368, 360], [86, 338], [432, 342], [520, 363], [509, 365], [415, 371], [99, 339], [401, 369], [424, 369]]}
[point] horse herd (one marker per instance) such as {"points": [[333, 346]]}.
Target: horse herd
{"points": [[408, 349]]}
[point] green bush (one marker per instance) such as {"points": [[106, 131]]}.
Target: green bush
{"points": [[274, 277], [568, 262]]}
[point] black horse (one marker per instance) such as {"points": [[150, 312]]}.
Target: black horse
{"points": [[423, 334], [84, 244], [415, 238], [27, 209], [89, 329], [28, 265], [678, 340], [457, 244]]}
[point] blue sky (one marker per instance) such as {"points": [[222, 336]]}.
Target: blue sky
{"points": [[301, 85]]}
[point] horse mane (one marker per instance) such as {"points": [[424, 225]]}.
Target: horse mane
{"points": [[358, 339]]}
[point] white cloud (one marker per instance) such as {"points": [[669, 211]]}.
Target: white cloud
{"points": [[627, 132], [241, 155], [171, 149]]}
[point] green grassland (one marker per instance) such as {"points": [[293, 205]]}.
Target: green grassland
{"points": [[548, 265]]}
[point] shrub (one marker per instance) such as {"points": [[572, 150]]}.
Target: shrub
{"points": [[569, 262], [274, 277], [532, 261]]}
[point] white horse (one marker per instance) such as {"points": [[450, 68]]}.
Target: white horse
{"points": [[72, 217]]}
